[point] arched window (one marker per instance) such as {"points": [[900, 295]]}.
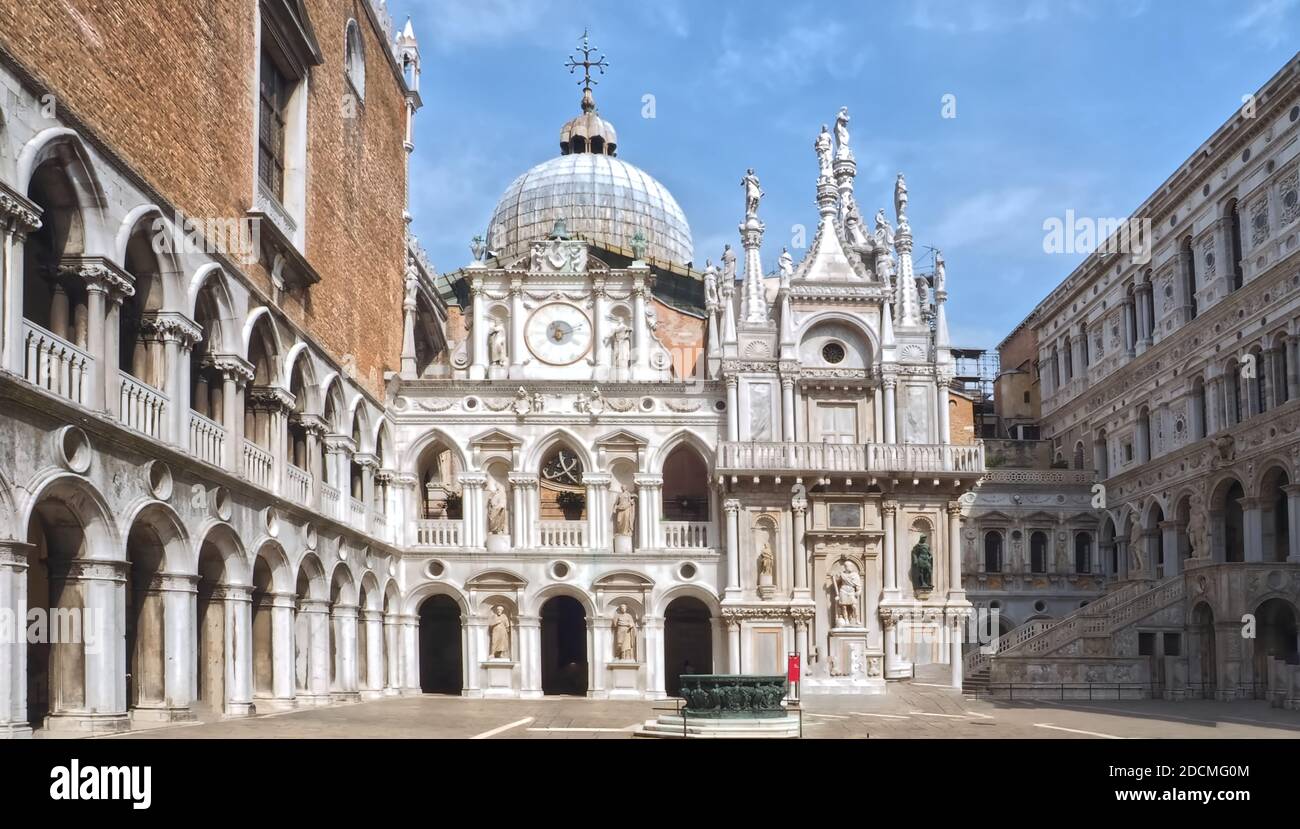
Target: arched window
{"points": [[1149, 307], [1056, 369], [1189, 276], [1084, 346], [1144, 435], [1038, 552], [1083, 553], [1078, 455], [1101, 455], [1235, 408], [1198, 412], [1281, 390], [355, 59], [993, 552], [1260, 382], [1130, 317], [1234, 245]]}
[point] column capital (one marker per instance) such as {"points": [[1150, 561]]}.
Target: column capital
{"points": [[731, 505], [14, 554], [954, 509], [889, 507], [648, 480], [18, 215], [172, 326], [231, 366], [98, 274]]}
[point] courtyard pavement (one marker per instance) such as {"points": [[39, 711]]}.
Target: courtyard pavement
{"points": [[910, 710]]}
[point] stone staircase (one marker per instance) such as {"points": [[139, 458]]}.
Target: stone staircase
{"points": [[1103, 617]]}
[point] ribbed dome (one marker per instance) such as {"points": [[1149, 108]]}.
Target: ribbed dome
{"points": [[601, 198]]}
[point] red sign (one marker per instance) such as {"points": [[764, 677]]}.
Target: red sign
{"points": [[792, 668]]}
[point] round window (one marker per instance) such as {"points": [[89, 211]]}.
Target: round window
{"points": [[1040, 606], [833, 353], [436, 569], [1289, 198], [687, 571]]}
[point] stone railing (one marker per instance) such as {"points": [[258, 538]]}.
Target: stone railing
{"points": [[329, 500], [207, 440], [1040, 477], [438, 532], [379, 525], [686, 535], [565, 534], [356, 512], [298, 483], [141, 407], [851, 457], [977, 660], [265, 201], [257, 464], [1094, 618], [55, 364]]}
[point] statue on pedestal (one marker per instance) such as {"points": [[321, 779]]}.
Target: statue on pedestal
{"points": [[846, 586], [900, 198], [753, 193], [728, 265], [620, 345], [1135, 563], [923, 565], [496, 342], [823, 148], [499, 633], [786, 266], [624, 634], [498, 517], [1197, 538], [624, 513], [842, 134], [766, 566]]}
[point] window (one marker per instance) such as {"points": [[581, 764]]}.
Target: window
{"points": [[355, 59], [993, 552], [1189, 275], [1173, 644], [833, 353], [1038, 552], [1234, 244], [1084, 345], [1083, 553], [274, 96], [1146, 644], [838, 422]]}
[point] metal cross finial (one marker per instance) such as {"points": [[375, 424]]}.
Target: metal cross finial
{"points": [[586, 63]]}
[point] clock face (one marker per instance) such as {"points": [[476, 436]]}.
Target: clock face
{"points": [[558, 334]]}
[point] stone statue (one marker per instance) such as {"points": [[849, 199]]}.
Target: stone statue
{"points": [[499, 633], [923, 565], [823, 148], [624, 634], [884, 233], [412, 287], [478, 248], [498, 518], [620, 345], [753, 193], [710, 285], [846, 585], [1135, 551], [940, 272], [638, 246], [728, 265], [843, 150], [497, 345], [900, 198], [786, 265], [1197, 537], [624, 513], [766, 565]]}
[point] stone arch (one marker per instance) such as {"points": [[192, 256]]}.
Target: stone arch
{"points": [[686, 473], [7, 510], [333, 405], [410, 606], [694, 591], [835, 336], [272, 553], [343, 587], [684, 437], [1274, 519], [383, 443], [1226, 518], [170, 273], [359, 424], [430, 438], [310, 581], [532, 605], [299, 359], [64, 147], [212, 279], [84, 503], [369, 596], [221, 539], [832, 316], [542, 448], [163, 521], [261, 332]]}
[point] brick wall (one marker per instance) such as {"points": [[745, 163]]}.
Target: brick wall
{"points": [[168, 86]]}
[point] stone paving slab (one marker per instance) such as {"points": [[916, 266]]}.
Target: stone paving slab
{"points": [[907, 712]]}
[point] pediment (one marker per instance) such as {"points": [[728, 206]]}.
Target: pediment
{"points": [[495, 438], [621, 438], [623, 581], [496, 581]]}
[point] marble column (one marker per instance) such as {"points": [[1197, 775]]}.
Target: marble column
{"points": [[373, 682], [733, 647], [96, 309], [530, 656], [945, 428], [598, 298], [732, 507], [237, 601], [478, 330], [16, 221], [392, 654], [1293, 522], [410, 654], [1292, 370], [1170, 535], [956, 590], [889, 513], [1252, 528], [733, 408], [641, 351], [283, 687], [954, 649], [313, 627], [87, 690], [654, 645], [517, 319], [787, 409], [343, 617], [799, 518], [891, 410], [13, 649]]}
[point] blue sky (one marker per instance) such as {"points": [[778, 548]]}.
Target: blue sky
{"points": [[1086, 105]]}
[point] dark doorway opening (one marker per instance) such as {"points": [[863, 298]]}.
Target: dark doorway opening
{"points": [[440, 654], [688, 642], [564, 647]]}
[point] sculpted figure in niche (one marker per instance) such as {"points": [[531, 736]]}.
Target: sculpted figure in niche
{"points": [[624, 513], [1135, 550], [1197, 537], [923, 565], [497, 345], [620, 343], [846, 586], [499, 633], [766, 565], [624, 634], [497, 515]]}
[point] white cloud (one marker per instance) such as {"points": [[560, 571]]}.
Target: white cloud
{"points": [[1266, 20], [454, 23], [790, 58], [990, 214]]}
